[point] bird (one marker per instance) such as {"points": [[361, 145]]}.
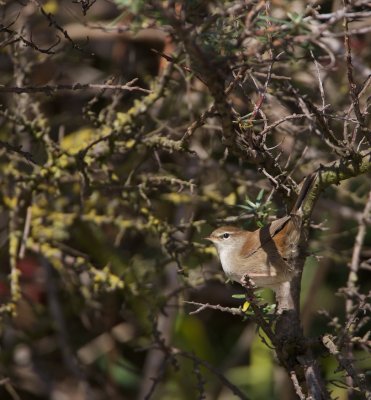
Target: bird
{"points": [[265, 255]]}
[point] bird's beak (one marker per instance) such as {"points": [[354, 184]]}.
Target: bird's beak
{"points": [[209, 238]]}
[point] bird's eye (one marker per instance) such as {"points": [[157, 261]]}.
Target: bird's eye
{"points": [[225, 235]]}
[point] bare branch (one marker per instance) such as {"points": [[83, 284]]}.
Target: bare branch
{"points": [[203, 306], [49, 89]]}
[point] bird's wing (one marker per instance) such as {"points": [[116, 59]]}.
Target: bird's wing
{"points": [[259, 238], [277, 225]]}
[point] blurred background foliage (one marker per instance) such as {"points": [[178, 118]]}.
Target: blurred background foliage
{"points": [[107, 192]]}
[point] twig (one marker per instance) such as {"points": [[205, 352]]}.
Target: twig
{"points": [[18, 37], [347, 365], [49, 89], [85, 5], [198, 123], [297, 387], [352, 280], [259, 315], [320, 83], [9, 388], [200, 380], [202, 307], [263, 93], [17, 150], [352, 84], [280, 121], [340, 14], [56, 313], [174, 61], [354, 266], [154, 366], [53, 22], [26, 232], [234, 389]]}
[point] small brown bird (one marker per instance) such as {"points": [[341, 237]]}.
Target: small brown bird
{"points": [[266, 254]]}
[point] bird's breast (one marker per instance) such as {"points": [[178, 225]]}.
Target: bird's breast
{"points": [[229, 263]]}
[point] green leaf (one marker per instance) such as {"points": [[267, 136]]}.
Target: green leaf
{"points": [[260, 196], [245, 207], [251, 203], [238, 296]]}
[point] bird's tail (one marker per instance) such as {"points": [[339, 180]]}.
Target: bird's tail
{"points": [[305, 188]]}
